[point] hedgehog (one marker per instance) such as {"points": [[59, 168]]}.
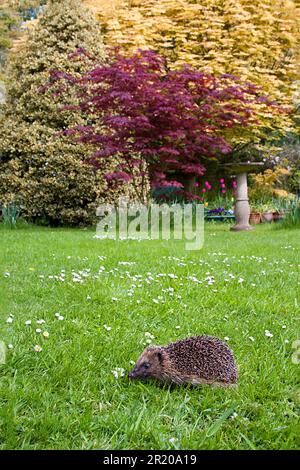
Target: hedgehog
{"points": [[196, 360]]}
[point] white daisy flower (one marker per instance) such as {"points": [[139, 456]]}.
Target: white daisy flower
{"points": [[118, 372], [149, 335], [268, 334]]}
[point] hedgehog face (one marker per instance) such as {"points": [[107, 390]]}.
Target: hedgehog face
{"points": [[148, 365]]}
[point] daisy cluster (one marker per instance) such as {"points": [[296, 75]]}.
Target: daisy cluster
{"points": [[177, 279], [39, 331]]}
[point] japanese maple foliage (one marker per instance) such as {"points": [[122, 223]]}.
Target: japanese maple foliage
{"points": [[173, 120]]}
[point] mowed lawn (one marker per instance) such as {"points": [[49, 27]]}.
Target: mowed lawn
{"points": [[100, 300]]}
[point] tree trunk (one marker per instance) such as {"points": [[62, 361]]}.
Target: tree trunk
{"points": [[189, 183]]}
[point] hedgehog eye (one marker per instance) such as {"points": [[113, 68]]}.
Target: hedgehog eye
{"points": [[146, 365]]}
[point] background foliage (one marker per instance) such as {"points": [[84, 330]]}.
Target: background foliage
{"points": [[12, 16], [176, 120], [255, 40], [48, 175]]}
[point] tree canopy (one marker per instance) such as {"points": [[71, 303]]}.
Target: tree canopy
{"points": [[257, 41], [175, 120]]}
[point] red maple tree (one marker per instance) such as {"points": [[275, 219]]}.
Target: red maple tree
{"points": [[173, 120]]}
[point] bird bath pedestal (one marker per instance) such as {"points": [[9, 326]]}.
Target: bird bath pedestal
{"points": [[242, 208]]}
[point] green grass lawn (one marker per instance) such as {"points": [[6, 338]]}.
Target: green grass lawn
{"points": [[109, 294]]}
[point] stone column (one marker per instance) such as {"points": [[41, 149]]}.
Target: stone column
{"points": [[242, 208]]}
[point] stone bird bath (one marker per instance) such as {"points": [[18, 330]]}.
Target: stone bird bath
{"points": [[242, 208]]}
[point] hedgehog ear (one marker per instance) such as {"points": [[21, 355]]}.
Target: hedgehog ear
{"points": [[159, 356]]}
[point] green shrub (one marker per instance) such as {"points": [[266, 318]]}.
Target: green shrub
{"points": [[48, 173]]}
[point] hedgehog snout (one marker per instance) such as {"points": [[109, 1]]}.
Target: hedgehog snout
{"points": [[138, 373], [134, 374]]}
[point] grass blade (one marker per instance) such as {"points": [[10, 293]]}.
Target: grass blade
{"points": [[2, 353], [218, 423], [250, 444]]}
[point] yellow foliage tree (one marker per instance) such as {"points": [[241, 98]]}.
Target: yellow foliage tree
{"points": [[266, 185], [257, 40]]}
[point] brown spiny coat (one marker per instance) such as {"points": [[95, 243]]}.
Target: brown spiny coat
{"points": [[196, 360]]}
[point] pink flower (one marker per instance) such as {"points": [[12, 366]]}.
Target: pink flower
{"points": [[223, 186], [234, 184], [207, 185], [222, 180], [204, 190], [223, 191], [196, 185]]}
